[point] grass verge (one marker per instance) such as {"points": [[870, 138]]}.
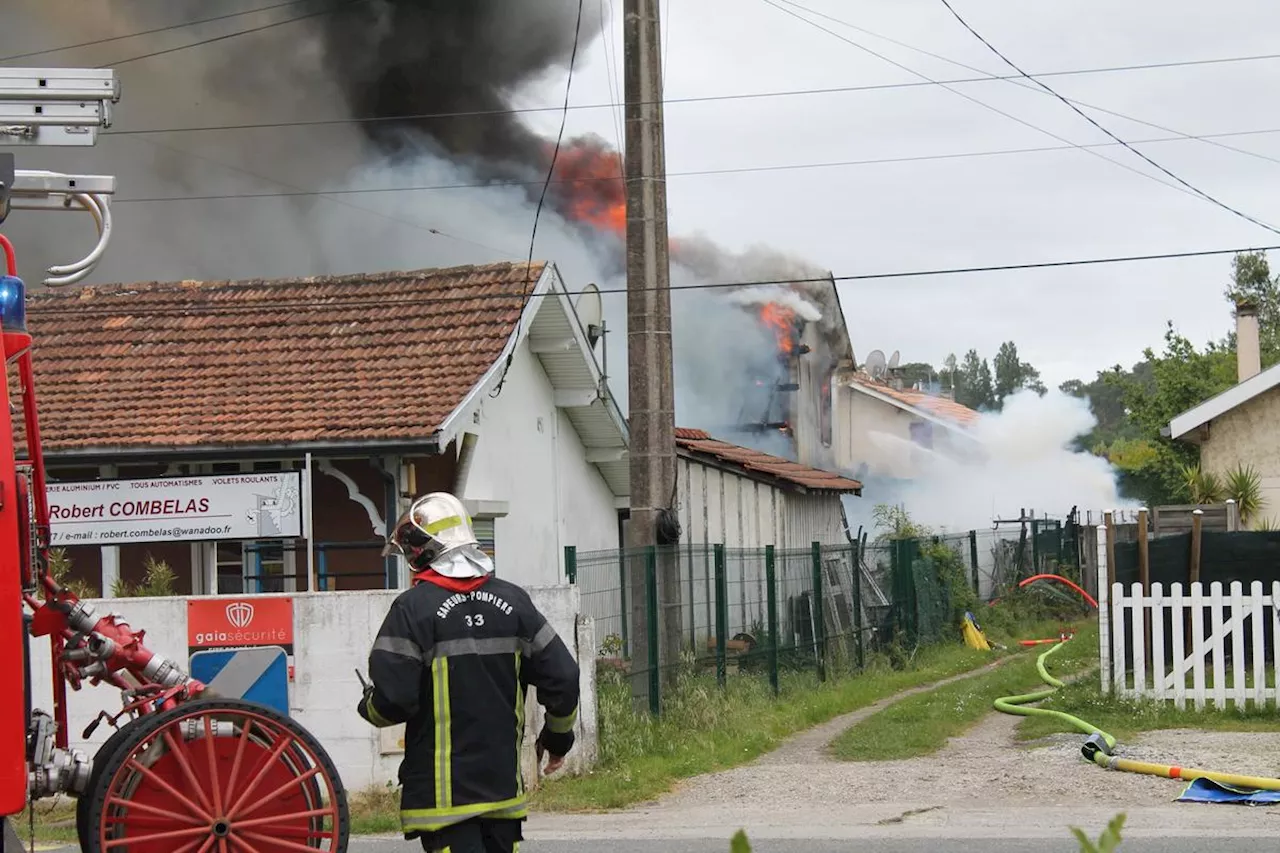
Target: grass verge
{"points": [[1127, 718], [704, 729], [922, 724], [55, 822]]}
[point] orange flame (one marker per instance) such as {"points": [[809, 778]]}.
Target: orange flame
{"points": [[589, 187], [783, 322]]}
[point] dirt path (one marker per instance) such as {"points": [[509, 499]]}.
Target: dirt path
{"points": [[981, 777], [810, 746]]}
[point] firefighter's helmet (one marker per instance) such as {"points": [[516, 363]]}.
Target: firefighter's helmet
{"points": [[433, 527]]}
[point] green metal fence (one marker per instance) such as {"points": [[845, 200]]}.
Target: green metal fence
{"points": [[766, 611], [763, 612]]}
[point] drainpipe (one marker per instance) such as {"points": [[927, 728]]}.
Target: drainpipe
{"points": [[466, 458], [390, 513]]}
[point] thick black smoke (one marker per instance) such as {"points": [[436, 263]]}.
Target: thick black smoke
{"points": [[396, 59], [385, 63]]}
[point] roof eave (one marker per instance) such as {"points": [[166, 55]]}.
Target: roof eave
{"points": [[946, 423], [455, 420], [1186, 424], [763, 477], [109, 454]]}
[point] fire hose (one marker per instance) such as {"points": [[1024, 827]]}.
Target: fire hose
{"points": [[1100, 746]]}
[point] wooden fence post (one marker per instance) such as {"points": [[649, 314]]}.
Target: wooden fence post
{"points": [[1233, 516], [1193, 576], [1109, 525], [1144, 578]]}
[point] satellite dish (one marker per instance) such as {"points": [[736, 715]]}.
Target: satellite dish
{"points": [[590, 310], [875, 364], [893, 360]]}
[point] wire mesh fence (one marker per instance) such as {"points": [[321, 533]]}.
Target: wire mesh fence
{"points": [[769, 612]]}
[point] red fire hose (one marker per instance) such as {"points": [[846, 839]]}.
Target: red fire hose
{"points": [[1087, 597], [10, 258]]}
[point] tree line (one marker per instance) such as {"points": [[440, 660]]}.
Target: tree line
{"points": [[1132, 406], [979, 383]]}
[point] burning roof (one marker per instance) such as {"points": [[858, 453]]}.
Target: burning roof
{"points": [[697, 444]]}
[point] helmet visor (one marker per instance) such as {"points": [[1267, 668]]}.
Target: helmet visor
{"points": [[407, 535]]}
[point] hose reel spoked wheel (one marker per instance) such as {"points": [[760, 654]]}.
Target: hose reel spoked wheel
{"points": [[214, 776], [85, 802]]}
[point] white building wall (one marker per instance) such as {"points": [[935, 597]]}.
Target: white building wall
{"points": [[528, 455], [333, 633], [722, 507]]}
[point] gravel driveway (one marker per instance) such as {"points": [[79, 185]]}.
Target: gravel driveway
{"points": [[979, 781]]}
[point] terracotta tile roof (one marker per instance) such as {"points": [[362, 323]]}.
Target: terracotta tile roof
{"points": [[937, 406], [379, 356], [697, 442]]}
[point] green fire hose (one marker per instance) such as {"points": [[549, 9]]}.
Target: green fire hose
{"points": [[1019, 704], [1100, 746]]}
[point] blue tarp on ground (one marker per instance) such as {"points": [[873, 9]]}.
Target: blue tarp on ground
{"points": [[1208, 791]]}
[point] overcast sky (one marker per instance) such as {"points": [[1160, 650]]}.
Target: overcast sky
{"points": [[852, 219]]}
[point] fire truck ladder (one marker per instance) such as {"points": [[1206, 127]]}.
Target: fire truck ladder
{"points": [[62, 107]]}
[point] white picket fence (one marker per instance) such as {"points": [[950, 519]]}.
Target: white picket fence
{"points": [[1216, 664]]}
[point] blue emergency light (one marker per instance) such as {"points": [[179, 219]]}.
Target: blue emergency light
{"points": [[13, 304]]}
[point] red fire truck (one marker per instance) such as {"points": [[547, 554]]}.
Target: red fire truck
{"points": [[183, 771]]}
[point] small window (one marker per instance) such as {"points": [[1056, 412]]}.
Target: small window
{"points": [[266, 567], [922, 433], [225, 468], [268, 466], [484, 531], [229, 564], [824, 413]]}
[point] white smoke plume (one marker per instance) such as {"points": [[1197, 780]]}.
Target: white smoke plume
{"points": [[778, 295], [1026, 462]]}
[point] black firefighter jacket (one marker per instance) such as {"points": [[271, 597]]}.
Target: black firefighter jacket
{"points": [[455, 667]]}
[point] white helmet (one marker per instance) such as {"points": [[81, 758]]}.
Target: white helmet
{"points": [[434, 526]]}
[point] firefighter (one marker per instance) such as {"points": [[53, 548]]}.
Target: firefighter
{"points": [[453, 661]]}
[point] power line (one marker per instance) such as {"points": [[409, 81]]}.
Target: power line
{"points": [[226, 36], [781, 167], [1021, 83], [1093, 122], [151, 32], [696, 99], [610, 48], [542, 198], [970, 98], [125, 307]]}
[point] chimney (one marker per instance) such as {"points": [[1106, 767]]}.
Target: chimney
{"points": [[1248, 353]]}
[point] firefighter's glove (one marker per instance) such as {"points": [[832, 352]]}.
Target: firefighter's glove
{"points": [[557, 744], [363, 708]]}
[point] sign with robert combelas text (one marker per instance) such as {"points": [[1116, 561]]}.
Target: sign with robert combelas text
{"points": [[168, 509]]}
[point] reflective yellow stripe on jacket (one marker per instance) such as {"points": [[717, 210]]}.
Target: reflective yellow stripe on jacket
{"points": [[434, 820]]}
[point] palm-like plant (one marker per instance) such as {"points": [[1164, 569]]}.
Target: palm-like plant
{"points": [[1244, 486], [1200, 486]]}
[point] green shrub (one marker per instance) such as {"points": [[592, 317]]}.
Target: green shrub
{"points": [[158, 582], [60, 569]]}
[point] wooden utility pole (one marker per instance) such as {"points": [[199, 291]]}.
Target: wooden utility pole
{"points": [[650, 385]]}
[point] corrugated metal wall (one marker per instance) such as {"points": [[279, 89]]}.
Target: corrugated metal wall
{"points": [[721, 507]]}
